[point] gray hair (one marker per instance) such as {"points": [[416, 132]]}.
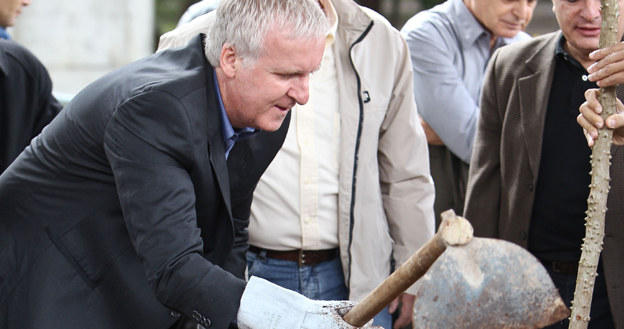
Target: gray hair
{"points": [[244, 24]]}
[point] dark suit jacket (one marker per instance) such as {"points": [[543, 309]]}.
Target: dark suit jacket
{"points": [[26, 101], [507, 152], [123, 212]]}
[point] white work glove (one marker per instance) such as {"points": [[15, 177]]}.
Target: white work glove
{"points": [[265, 305]]}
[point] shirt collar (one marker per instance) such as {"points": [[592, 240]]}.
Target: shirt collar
{"points": [[469, 27], [332, 17], [229, 134], [4, 34], [562, 54]]}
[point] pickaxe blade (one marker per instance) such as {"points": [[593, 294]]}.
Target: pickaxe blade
{"points": [[487, 283]]}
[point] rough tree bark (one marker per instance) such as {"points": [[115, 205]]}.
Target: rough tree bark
{"points": [[599, 187]]}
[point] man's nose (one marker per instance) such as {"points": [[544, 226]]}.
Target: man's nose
{"points": [[524, 10], [591, 10], [25, 2], [299, 91]]}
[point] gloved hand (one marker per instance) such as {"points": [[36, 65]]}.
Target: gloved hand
{"points": [[267, 305]]}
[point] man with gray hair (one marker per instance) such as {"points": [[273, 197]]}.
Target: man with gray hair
{"points": [[450, 45], [130, 209], [353, 169]]}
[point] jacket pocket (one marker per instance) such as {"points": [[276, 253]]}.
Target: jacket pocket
{"points": [[92, 246]]}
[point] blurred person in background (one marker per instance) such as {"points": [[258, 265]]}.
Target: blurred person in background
{"points": [[26, 101], [450, 45]]}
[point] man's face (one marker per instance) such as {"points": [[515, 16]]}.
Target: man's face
{"points": [[580, 22], [9, 10], [503, 18], [260, 94]]}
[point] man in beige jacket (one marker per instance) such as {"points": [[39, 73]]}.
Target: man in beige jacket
{"points": [[350, 192]]}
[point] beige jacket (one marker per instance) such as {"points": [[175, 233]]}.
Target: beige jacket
{"points": [[386, 192]]}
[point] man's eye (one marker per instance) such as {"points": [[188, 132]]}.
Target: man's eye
{"points": [[287, 76]]}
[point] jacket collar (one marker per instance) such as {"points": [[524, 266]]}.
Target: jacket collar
{"points": [[353, 19], [469, 28], [541, 60]]}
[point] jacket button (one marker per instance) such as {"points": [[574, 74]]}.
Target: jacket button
{"points": [[530, 187], [202, 320], [523, 235], [174, 314]]}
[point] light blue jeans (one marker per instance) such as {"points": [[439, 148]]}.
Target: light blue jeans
{"points": [[324, 281]]}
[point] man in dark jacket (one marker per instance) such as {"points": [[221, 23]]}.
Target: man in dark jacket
{"points": [[26, 101], [130, 210]]}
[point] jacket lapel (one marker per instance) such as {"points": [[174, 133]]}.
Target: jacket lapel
{"points": [[533, 91], [216, 149], [219, 166]]}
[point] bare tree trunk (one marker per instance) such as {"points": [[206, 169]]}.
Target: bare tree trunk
{"points": [[599, 187]]}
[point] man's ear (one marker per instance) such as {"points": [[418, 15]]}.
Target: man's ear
{"points": [[228, 61]]}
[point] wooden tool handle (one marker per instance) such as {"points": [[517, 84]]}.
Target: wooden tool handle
{"points": [[453, 230]]}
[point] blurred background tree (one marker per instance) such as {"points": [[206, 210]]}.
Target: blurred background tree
{"points": [[129, 30], [396, 11], [168, 13], [430, 3]]}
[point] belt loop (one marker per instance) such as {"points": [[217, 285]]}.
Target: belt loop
{"points": [[262, 255]]}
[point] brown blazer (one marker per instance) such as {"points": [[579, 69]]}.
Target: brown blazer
{"points": [[507, 152]]}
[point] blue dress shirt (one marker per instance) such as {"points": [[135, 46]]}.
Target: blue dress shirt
{"points": [[4, 34], [450, 50]]}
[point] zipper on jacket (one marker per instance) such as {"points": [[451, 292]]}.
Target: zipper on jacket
{"points": [[357, 147]]}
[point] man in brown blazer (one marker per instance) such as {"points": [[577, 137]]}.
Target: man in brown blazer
{"points": [[529, 179]]}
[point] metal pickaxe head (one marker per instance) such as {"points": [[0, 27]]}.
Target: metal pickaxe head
{"points": [[487, 283], [469, 283]]}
